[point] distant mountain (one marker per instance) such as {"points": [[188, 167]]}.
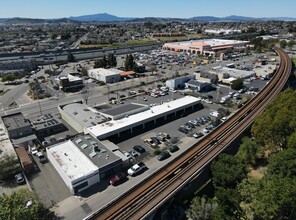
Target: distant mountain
{"points": [[35, 21], [235, 18], [103, 17]]}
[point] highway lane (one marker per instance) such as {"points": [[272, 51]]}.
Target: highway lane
{"points": [[79, 54]]}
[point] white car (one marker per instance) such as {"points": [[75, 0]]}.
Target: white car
{"points": [[127, 154], [34, 151], [134, 153]]}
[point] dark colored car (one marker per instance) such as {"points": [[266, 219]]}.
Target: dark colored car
{"points": [[183, 130], [118, 179], [139, 149], [173, 148], [155, 140], [163, 155]]}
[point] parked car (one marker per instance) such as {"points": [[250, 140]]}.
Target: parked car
{"points": [[173, 148], [155, 140], [41, 157], [135, 169], [139, 149], [127, 154], [150, 142], [19, 178], [134, 153], [34, 150], [163, 155], [183, 130], [198, 135], [118, 179]]}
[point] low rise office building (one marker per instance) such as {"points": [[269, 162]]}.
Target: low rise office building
{"points": [[105, 75], [83, 162]]}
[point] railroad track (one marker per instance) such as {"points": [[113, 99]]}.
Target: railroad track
{"points": [[140, 201]]}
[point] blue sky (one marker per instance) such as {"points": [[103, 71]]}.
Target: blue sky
{"points": [[147, 8]]}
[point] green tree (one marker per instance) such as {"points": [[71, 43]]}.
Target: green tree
{"points": [[237, 84], [247, 152], [275, 198], [283, 164], [129, 63], [283, 44], [112, 62], [274, 126], [15, 207], [71, 57], [227, 171], [53, 36], [292, 141], [201, 209], [101, 63], [9, 165], [290, 44], [9, 78], [228, 204]]}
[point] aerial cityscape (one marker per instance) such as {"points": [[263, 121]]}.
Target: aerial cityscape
{"points": [[147, 110]]}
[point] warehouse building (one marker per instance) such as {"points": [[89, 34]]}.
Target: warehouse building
{"points": [[179, 83], [105, 75], [83, 162]]}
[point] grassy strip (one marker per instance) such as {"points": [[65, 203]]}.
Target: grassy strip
{"points": [[5, 91], [114, 45]]}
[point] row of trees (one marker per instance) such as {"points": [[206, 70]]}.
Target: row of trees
{"points": [[106, 62], [241, 191]]}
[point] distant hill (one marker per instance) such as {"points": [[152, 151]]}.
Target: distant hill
{"points": [[235, 18], [35, 21], [103, 17]]}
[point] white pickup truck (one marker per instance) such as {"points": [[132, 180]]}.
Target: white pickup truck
{"points": [[135, 169]]}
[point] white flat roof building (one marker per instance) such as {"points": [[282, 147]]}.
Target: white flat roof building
{"points": [[82, 162], [105, 75], [139, 120]]}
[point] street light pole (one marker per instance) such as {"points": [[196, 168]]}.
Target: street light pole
{"points": [[218, 87]]}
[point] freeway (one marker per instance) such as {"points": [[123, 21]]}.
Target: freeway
{"points": [[144, 198], [79, 54]]}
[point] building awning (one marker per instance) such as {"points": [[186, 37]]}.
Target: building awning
{"points": [[127, 73]]}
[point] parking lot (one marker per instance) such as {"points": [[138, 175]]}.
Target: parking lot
{"points": [[47, 183]]}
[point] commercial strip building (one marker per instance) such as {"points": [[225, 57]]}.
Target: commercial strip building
{"points": [[87, 159], [79, 116], [83, 162], [146, 119], [204, 47]]}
